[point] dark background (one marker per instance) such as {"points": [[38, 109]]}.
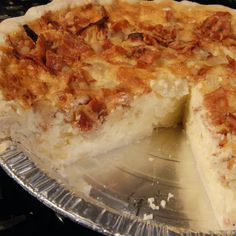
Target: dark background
{"points": [[20, 213]]}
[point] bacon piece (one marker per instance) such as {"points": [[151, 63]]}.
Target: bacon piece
{"points": [[98, 107], [149, 40], [218, 105], [76, 21], [101, 24], [95, 37], [216, 27], [30, 33], [112, 54], [35, 86], [70, 48], [27, 49], [28, 98], [107, 44], [230, 41], [231, 63], [136, 51], [135, 36], [47, 21], [148, 58], [184, 47], [84, 122], [144, 56], [202, 71], [164, 35], [39, 52], [54, 62], [120, 25]]}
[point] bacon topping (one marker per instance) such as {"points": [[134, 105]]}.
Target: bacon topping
{"points": [[202, 71], [184, 47], [53, 61], [216, 27], [144, 56], [68, 42], [231, 63], [220, 109], [135, 36], [217, 104], [84, 122], [164, 35], [30, 33], [120, 25], [98, 107]]}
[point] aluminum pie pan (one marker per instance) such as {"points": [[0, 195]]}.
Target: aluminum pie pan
{"points": [[60, 196]]}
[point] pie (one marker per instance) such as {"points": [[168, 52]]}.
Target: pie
{"points": [[82, 78]]}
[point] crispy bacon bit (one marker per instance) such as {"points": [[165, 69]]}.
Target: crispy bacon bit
{"points": [[120, 25], [164, 35], [39, 52], [101, 24], [135, 36], [216, 27], [230, 41], [98, 107], [149, 40], [77, 82], [217, 104], [84, 122], [143, 55], [46, 20], [30, 33], [231, 121], [231, 62], [137, 51], [54, 62], [113, 55], [148, 58], [120, 49], [184, 47], [70, 48], [202, 71], [107, 44]]}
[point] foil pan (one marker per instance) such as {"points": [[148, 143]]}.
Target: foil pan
{"points": [[147, 188]]}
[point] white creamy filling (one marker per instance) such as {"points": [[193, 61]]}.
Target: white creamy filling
{"points": [[123, 126], [204, 145]]}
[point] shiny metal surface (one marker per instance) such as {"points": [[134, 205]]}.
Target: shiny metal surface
{"points": [[147, 188]]}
